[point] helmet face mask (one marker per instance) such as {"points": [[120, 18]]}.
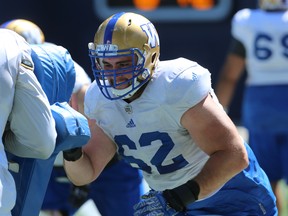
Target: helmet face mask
{"points": [[124, 35], [111, 80], [273, 4]]}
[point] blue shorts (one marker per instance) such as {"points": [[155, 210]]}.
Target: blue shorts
{"points": [[247, 194], [265, 115]]}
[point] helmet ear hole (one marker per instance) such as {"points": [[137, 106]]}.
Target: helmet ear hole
{"points": [[153, 57]]}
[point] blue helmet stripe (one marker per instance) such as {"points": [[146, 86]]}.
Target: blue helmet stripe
{"points": [[110, 27]]}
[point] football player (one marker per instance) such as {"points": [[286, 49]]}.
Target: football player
{"points": [[260, 45], [27, 124], [163, 117]]}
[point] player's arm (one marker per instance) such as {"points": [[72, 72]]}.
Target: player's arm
{"points": [[32, 130], [214, 132], [231, 72], [96, 154], [77, 99]]}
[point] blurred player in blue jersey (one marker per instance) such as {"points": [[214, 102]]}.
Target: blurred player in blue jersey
{"points": [[260, 42], [164, 118], [118, 188], [27, 124]]}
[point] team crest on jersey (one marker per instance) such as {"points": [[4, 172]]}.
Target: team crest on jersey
{"points": [[128, 109]]}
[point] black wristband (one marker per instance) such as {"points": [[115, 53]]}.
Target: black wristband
{"points": [[179, 197], [72, 154]]}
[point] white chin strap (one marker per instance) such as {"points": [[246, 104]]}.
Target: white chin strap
{"points": [[119, 92]]}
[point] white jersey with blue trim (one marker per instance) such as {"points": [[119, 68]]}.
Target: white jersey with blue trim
{"points": [[265, 38], [148, 132]]}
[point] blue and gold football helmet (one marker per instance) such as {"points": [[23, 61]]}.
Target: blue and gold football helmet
{"points": [[27, 29], [273, 4], [124, 34]]}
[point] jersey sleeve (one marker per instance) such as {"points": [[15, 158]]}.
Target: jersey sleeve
{"points": [[190, 87], [31, 132], [239, 24]]}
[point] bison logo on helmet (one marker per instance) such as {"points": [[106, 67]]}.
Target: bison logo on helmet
{"points": [[153, 38]]}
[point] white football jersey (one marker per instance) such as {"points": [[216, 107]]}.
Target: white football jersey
{"points": [[148, 132], [265, 38]]}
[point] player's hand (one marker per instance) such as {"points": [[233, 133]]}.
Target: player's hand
{"points": [[154, 204]]}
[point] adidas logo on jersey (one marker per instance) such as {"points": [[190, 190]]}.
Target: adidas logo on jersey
{"points": [[130, 124]]}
